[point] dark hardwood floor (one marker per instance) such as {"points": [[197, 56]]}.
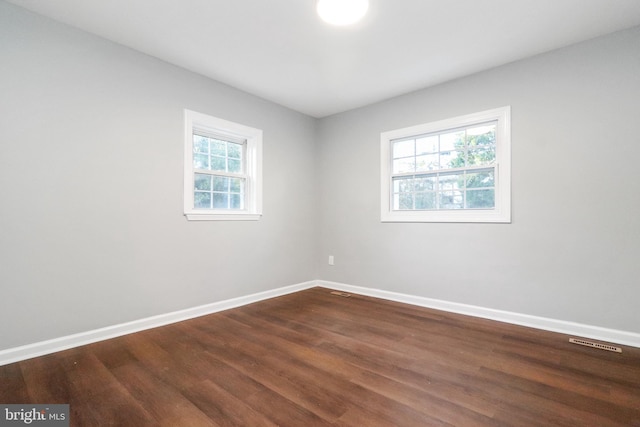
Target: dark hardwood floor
{"points": [[317, 359]]}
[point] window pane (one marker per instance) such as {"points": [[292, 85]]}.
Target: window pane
{"points": [[451, 159], [425, 183], [403, 148], [404, 165], [451, 200], [219, 164], [452, 141], [220, 201], [481, 143], [220, 183], [481, 199], [402, 185], [451, 182], [200, 144], [234, 150], [427, 162], [200, 161], [426, 200], [236, 185], [484, 156], [484, 178], [235, 165], [405, 201], [202, 182], [218, 148], [481, 136], [236, 201], [427, 145], [202, 200]]}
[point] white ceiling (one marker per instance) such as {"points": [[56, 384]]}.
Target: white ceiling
{"points": [[281, 51]]}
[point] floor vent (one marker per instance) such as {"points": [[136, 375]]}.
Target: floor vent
{"points": [[340, 294], [595, 345]]}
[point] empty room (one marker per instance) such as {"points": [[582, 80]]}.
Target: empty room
{"points": [[319, 213]]}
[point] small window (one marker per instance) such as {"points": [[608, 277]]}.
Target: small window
{"points": [[455, 170], [222, 169]]}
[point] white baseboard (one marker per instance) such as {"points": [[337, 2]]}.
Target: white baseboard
{"points": [[570, 328], [63, 343]]}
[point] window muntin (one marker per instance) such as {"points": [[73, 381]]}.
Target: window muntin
{"points": [[219, 179], [223, 169], [217, 154], [447, 170], [454, 170]]}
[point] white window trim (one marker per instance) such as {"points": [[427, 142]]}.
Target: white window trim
{"points": [[253, 152], [502, 211]]}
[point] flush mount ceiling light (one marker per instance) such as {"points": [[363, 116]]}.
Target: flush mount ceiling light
{"points": [[342, 12]]}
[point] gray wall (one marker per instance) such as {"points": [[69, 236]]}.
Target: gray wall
{"points": [[91, 179], [91, 226], [572, 251]]}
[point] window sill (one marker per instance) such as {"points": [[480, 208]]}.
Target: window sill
{"points": [[469, 216], [222, 217]]}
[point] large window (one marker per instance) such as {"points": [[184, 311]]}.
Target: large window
{"points": [[455, 170], [222, 169]]}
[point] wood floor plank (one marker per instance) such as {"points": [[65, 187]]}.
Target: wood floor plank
{"points": [[316, 359], [167, 405], [306, 386], [263, 400], [539, 405], [341, 389], [431, 401], [115, 407], [12, 385], [45, 380], [225, 408]]}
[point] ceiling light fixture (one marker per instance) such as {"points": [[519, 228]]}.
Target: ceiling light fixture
{"points": [[342, 12]]}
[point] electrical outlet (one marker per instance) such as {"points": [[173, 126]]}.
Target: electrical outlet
{"points": [[330, 259]]}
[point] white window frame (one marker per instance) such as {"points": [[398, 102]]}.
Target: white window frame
{"points": [[252, 167], [501, 213]]}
